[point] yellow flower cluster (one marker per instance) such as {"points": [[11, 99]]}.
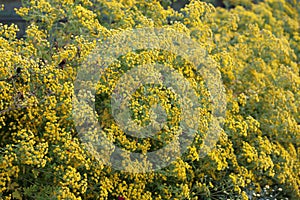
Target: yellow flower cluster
{"points": [[256, 47]]}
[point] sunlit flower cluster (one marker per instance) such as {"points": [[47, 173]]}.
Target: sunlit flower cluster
{"points": [[256, 47]]}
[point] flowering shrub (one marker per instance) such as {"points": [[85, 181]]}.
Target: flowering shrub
{"points": [[256, 48]]}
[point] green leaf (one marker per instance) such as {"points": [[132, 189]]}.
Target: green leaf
{"points": [[17, 195]]}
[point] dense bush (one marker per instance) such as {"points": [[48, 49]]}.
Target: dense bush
{"points": [[256, 46]]}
